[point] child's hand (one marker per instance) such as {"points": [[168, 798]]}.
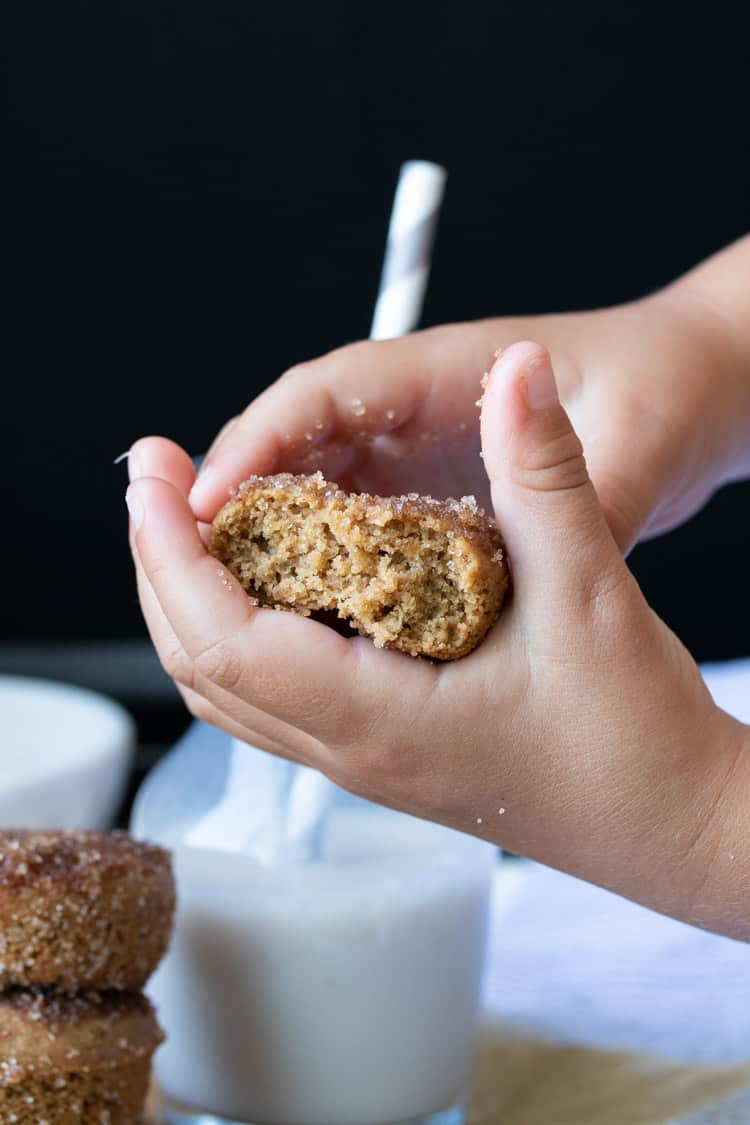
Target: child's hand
{"points": [[648, 387], [579, 733]]}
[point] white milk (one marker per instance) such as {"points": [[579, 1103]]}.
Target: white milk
{"points": [[338, 992]]}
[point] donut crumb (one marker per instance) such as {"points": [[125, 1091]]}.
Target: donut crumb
{"points": [[424, 576]]}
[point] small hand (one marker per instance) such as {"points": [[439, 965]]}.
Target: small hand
{"points": [[639, 381], [581, 716]]}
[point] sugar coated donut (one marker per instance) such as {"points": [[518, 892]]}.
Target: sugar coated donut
{"points": [[82, 910], [75, 1060], [424, 576]]}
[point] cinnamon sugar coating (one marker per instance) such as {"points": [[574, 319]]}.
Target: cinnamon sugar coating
{"points": [[82, 910], [424, 576], [75, 1060]]}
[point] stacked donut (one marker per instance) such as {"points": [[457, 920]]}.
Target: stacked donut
{"points": [[85, 918]]}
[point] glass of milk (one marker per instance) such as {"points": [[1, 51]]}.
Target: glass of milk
{"points": [[337, 985]]}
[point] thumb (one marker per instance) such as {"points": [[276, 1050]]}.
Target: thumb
{"points": [[557, 538]]}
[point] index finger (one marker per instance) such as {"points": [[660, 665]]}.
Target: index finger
{"points": [[315, 416]]}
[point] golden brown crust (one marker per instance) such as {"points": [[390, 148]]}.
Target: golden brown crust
{"points": [[45, 1034], [114, 1097], [421, 575], [82, 910], [67, 1060]]}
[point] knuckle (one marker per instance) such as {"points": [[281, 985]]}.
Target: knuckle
{"points": [[221, 665], [555, 465], [606, 586], [301, 372], [178, 667], [360, 350], [336, 364]]}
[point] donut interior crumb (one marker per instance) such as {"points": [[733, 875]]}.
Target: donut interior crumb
{"points": [[421, 575]]}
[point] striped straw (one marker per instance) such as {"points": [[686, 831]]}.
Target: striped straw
{"points": [[408, 251], [406, 268]]}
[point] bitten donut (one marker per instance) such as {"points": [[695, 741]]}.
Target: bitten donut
{"points": [[424, 576], [82, 910], [75, 1060]]}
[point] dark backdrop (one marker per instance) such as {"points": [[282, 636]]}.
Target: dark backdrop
{"points": [[198, 198]]}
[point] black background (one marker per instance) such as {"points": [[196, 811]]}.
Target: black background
{"points": [[199, 195]]}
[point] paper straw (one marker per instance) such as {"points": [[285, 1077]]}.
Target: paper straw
{"points": [[408, 251], [403, 282]]}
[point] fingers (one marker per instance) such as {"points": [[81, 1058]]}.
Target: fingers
{"points": [[207, 702], [327, 402], [216, 443], [160, 457], [543, 499], [295, 670], [315, 415]]}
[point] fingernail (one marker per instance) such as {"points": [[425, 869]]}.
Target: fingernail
{"points": [[135, 469], [202, 482], [539, 383], [135, 507]]}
